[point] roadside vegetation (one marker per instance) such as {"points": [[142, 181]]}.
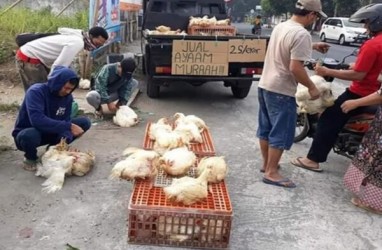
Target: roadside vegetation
{"points": [[19, 20]]}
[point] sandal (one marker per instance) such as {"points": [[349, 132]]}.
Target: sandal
{"points": [[358, 203], [30, 165]]}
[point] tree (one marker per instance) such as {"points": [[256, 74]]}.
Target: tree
{"points": [[346, 7]]}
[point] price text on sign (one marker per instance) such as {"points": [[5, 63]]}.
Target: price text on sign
{"points": [[191, 57], [247, 50]]}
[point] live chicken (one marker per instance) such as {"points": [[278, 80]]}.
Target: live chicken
{"points": [[188, 190], [162, 125], [59, 161], [125, 117], [303, 98], [217, 165], [139, 163], [177, 161], [180, 117]]}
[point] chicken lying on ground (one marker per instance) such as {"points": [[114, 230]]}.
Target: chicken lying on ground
{"points": [[303, 98], [84, 83], [180, 117], [139, 163], [125, 117], [218, 168], [177, 161], [59, 161], [188, 190]]}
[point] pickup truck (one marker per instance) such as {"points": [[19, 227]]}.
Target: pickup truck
{"points": [[234, 59]]}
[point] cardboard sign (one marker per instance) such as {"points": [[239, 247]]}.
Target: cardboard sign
{"points": [[190, 57], [248, 50]]}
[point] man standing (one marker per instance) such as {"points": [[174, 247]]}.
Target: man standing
{"points": [[44, 117], [113, 82], [289, 46], [37, 58]]}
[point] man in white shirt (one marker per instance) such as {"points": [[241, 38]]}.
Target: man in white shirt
{"points": [[37, 58], [289, 46]]}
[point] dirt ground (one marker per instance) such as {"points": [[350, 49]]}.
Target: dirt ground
{"points": [[11, 95]]}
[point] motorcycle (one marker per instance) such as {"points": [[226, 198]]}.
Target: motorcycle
{"points": [[351, 134]]}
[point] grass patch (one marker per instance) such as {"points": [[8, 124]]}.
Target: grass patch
{"points": [[20, 20], [13, 107]]}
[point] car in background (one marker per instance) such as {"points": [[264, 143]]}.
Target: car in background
{"points": [[343, 31]]}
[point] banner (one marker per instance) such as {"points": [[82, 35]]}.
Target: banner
{"points": [[105, 13], [131, 5]]}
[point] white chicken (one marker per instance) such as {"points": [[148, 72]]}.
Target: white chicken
{"points": [[188, 190], [218, 168], [140, 163], [59, 161], [223, 22], [189, 131], [125, 117], [158, 127], [178, 228], [177, 161], [202, 21], [303, 98], [167, 140], [84, 83], [180, 117]]}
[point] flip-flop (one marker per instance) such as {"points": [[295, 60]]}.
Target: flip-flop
{"points": [[298, 163], [285, 182], [356, 202], [263, 171]]}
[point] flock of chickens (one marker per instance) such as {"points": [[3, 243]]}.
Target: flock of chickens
{"points": [[171, 154], [204, 22]]}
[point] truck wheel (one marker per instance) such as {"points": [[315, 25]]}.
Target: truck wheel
{"points": [[242, 91], [153, 88]]}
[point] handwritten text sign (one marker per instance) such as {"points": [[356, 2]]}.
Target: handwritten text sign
{"points": [[248, 50], [191, 57]]}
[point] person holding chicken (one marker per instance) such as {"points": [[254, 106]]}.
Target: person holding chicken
{"points": [[289, 46], [44, 116], [114, 82]]}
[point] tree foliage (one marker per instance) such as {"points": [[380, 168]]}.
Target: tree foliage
{"points": [[330, 7]]}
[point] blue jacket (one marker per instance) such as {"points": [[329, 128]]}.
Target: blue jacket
{"points": [[44, 109]]}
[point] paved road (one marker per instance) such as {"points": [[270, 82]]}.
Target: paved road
{"points": [[90, 212]]}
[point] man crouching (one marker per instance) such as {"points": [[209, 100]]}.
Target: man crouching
{"points": [[44, 116]]}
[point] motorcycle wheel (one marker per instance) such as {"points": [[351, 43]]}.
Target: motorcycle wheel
{"points": [[302, 127]]}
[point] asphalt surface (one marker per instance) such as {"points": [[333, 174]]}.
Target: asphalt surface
{"points": [[90, 212]]}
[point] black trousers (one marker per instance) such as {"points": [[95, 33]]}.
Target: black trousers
{"points": [[331, 121]]}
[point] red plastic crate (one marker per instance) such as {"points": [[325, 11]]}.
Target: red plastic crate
{"points": [[183, 228], [155, 220], [212, 30], [206, 148]]}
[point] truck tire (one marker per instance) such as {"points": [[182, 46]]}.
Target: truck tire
{"points": [[241, 91], [152, 88]]}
